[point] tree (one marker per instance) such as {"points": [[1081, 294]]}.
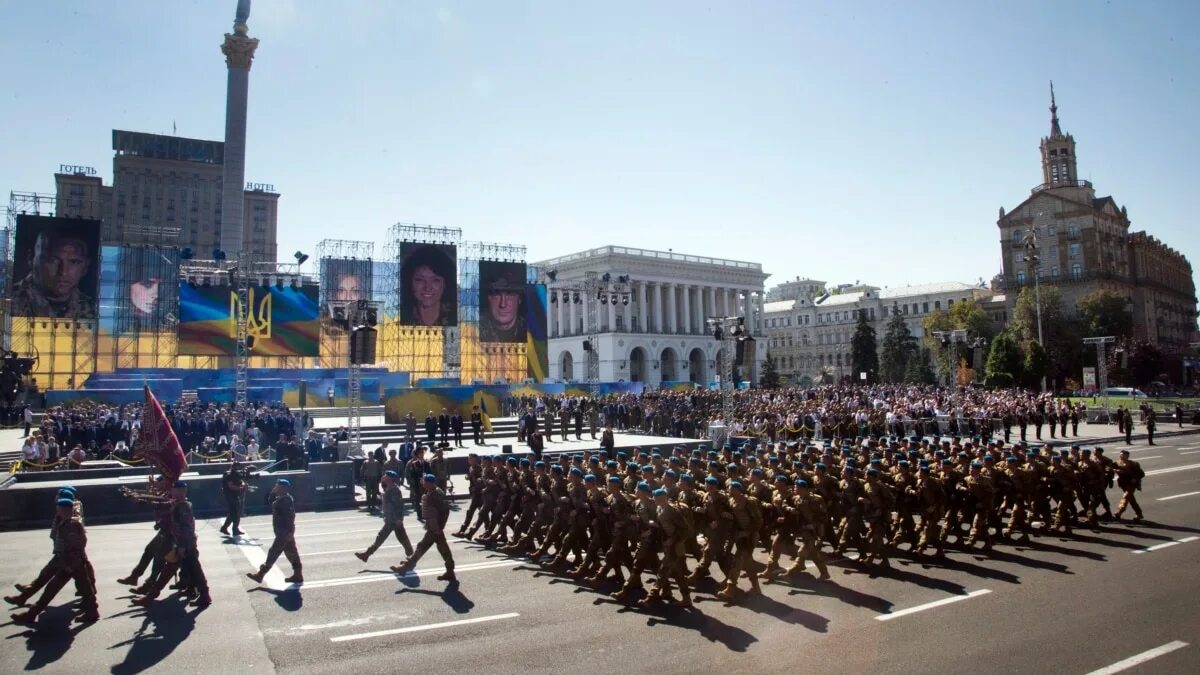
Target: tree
{"points": [[1062, 337], [864, 350], [918, 370], [1105, 313], [899, 348], [770, 374], [1134, 363], [1005, 363], [966, 315], [1035, 364]]}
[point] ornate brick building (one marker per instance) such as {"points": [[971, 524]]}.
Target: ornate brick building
{"points": [[1081, 243]]}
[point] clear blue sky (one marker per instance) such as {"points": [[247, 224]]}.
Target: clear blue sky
{"points": [[842, 140]]}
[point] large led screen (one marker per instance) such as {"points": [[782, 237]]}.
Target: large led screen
{"points": [[56, 267], [282, 321], [428, 284]]}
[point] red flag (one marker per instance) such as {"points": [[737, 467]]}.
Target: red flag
{"points": [[157, 441]]}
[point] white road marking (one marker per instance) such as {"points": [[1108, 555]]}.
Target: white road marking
{"points": [[1186, 467], [1186, 494], [1139, 659], [1142, 459], [432, 626], [256, 556], [389, 576], [930, 605], [1168, 544], [349, 550], [329, 534], [346, 623], [1193, 452]]}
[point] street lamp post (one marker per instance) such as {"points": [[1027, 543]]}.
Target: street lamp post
{"points": [[1032, 259]]}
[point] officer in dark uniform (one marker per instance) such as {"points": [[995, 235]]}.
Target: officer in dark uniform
{"points": [[233, 486], [1128, 417], [476, 426], [283, 521], [456, 425], [443, 423]]}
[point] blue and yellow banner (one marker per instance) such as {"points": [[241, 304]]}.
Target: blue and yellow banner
{"points": [[282, 320]]}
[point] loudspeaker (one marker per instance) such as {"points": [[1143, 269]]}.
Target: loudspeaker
{"points": [[739, 352], [507, 449], [303, 393], [587, 345], [362, 345]]}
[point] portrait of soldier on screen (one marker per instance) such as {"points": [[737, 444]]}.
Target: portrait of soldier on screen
{"points": [[501, 302], [54, 265]]}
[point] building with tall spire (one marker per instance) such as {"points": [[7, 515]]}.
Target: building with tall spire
{"points": [[239, 53], [1083, 243]]}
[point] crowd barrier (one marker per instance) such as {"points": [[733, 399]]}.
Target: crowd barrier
{"points": [[27, 500]]}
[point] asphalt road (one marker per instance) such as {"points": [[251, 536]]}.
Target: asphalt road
{"points": [[1125, 595]]}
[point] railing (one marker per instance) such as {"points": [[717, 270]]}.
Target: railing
{"points": [[1062, 184]]}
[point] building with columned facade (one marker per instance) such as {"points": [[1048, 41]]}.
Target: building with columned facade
{"points": [[644, 314], [809, 327]]}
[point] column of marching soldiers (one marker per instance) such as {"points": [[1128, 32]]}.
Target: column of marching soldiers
{"points": [[631, 513], [625, 516]]}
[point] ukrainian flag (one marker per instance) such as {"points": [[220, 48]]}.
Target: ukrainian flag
{"points": [[487, 419]]}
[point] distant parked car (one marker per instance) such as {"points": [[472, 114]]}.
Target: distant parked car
{"points": [[1124, 391]]}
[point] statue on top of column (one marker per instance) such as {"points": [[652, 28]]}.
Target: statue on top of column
{"points": [[243, 15]]}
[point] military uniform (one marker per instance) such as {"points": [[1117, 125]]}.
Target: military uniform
{"points": [[393, 522], [283, 522], [437, 511], [70, 562]]}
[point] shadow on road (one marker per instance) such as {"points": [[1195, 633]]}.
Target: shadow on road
{"points": [[810, 585], [165, 625], [289, 600], [452, 595], [51, 639]]}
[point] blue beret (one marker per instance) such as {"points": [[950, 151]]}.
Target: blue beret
{"points": [[1055, 458], [539, 464], [924, 468], [614, 480], [65, 501], [66, 494], [392, 473], [634, 466], [610, 464], [590, 478], [622, 455], [511, 461], [594, 459], [820, 466], [976, 465], [686, 478], [712, 480], [576, 471], [183, 484], [800, 482], [1087, 451], [556, 468], [780, 478], [872, 472], [1011, 459], [756, 472], [660, 493], [947, 462], [737, 485], [282, 481], [903, 462], [525, 461], [655, 456], [69, 488], [429, 478], [670, 473], [644, 486]]}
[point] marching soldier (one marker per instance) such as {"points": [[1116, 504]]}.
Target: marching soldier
{"points": [[675, 530], [283, 521], [70, 562], [393, 518], [931, 500], [183, 555], [51, 568], [437, 512], [747, 523], [1129, 479]]}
